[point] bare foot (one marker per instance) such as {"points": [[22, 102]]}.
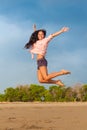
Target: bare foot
{"points": [[59, 82], [65, 72]]}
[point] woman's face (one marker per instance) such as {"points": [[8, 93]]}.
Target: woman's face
{"points": [[40, 35]]}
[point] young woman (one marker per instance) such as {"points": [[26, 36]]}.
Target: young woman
{"points": [[38, 45]]}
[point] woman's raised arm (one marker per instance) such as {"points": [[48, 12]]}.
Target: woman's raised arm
{"points": [[64, 29]]}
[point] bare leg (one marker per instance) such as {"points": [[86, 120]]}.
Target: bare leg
{"points": [[50, 81], [57, 82], [47, 77]]}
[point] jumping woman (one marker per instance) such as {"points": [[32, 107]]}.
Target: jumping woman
{"points": [[38, 44]]}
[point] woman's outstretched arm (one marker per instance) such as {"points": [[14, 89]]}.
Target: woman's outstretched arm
{"points": [[64, 29]]}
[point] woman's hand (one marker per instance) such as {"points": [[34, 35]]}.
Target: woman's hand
{"points": [[64, 29], [34, 27]]}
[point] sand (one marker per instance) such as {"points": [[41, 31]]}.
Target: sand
{"points": [[43, 116]]}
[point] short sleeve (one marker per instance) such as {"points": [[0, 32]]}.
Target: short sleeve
{"points": [[49, 38]]}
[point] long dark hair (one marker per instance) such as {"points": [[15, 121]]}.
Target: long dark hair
{"points": [[34, 38]]}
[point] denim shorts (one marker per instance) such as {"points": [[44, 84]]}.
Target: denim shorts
{"points": [[41, 62]]}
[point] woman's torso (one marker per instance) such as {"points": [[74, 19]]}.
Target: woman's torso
{"points": [[39, 56], [40, 47]]}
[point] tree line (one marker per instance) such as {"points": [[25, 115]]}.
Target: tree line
{"points": [[34, 92]]}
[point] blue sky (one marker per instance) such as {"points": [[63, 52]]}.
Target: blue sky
{"points": [[67, 51]]}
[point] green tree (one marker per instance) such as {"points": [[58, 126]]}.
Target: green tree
{"points": [[70, 95], [10, 94], [22, 93], [48, 96], [57, 93], [36, 92], [2, 97], [77, 92], [83, 92]]}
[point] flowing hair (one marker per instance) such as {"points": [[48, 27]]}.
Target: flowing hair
{"points": [[34, 38]]}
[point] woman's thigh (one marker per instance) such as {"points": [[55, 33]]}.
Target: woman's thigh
{"points": [[39, 75], [43, 72]]}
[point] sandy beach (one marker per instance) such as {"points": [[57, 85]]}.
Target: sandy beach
{"points": [[43, 116]]}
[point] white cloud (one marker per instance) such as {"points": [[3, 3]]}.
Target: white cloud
{"points": [[11, 32], [14, 68], [13, 36]]}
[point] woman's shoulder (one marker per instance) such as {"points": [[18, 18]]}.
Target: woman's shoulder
{"points": [[48, 38]]}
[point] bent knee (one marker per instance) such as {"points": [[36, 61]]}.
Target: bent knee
{"points": [[40, 80], [46, 78], [43, 81]]}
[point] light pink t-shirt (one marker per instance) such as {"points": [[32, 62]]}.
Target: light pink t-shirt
{"points": [[40, 47]]}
